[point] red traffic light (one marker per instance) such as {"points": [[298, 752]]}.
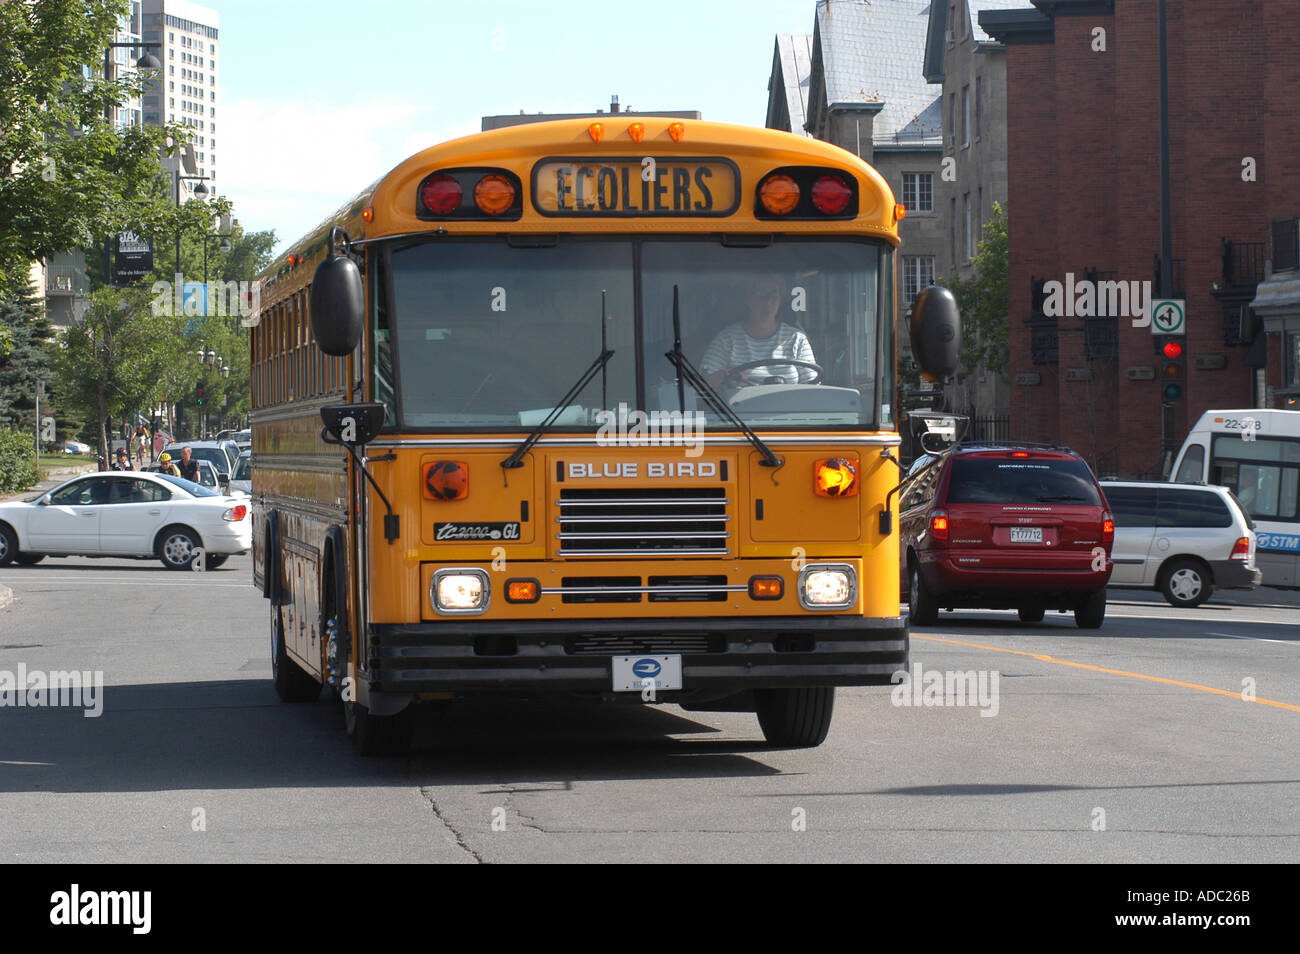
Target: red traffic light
{"points": [[1172, 349]]}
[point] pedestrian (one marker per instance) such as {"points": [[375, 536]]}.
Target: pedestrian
{"points": [[141, 442], [123, 461], [165, 465], [189, 467]]}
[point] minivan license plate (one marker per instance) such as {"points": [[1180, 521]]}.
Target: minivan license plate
{"points": [[1026, 534]]}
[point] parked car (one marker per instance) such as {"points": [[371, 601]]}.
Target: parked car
{"points": [[1185, 540], [126, 514], [243, 479], [1006, 526], [75, 447]]}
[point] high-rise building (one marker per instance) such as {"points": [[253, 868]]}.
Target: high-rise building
{"points": [[122, 59], [186, 91]]}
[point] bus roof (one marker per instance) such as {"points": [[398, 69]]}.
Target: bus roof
{"points": [[519, 149], [1270, 419]]}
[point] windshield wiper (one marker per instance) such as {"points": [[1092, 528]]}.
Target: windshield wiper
{"points": [[687, 372], [517, 458]]}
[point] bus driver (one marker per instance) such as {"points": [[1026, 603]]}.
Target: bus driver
{"points": [[760, 335]]}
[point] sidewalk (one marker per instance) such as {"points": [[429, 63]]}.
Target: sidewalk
{"points": [[57, 475]]}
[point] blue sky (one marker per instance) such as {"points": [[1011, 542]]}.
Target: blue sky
{"points": [[320, 98]]}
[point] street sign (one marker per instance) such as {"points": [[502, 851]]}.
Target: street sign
{"points": [[1169, 316], [40, 389], [134, 259]]}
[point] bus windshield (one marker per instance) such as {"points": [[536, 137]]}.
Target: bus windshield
{"points": [[489, 334]]}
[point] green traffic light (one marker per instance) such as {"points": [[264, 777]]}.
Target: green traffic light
{"points": [[1172, 392]]}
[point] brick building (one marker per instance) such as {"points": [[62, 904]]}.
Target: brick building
{"points": [[1083, 164]]}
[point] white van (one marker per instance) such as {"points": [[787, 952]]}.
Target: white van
{"points": [[1256, 453]]}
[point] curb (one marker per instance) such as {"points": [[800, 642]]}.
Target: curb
{"points": [[6, 596]]}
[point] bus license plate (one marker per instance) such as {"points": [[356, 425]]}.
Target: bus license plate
{"points": [[635, 673], [1026, 534]]}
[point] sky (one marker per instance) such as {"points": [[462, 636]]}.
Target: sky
{"points": [[319, 98]]}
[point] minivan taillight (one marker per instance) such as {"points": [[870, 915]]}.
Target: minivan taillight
{"points": [[1240, 550], [939, 524], [1107, 527]]}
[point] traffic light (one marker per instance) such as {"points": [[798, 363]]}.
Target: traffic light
{"points": [[1173, 368], [198, 393]]}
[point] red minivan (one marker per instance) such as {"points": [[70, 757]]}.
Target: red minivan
{"points": [[1006, 526]]}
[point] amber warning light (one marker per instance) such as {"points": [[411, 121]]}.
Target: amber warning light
{"points": [[446, 480], [835, 477]]}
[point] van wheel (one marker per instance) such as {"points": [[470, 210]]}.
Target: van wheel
{"points": [[1031, 614], [921, 607], [1092, 611], [378, 735], [795, 718], [1185, 582], [291, 683]]}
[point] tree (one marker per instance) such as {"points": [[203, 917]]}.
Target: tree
{"points": [[111, 364], [27, 360], [68, 177], [984, 301]]}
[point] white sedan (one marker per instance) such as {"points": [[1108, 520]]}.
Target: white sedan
{"points": [[127, 514]]}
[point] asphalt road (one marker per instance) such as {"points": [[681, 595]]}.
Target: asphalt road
{"points": [[1128, 744]]}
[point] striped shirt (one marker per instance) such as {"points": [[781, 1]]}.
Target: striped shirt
{"points": [[734, 346]]}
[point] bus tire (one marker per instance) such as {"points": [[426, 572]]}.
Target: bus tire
{"points": [[378, 735], [291, 683], [795, 718]]}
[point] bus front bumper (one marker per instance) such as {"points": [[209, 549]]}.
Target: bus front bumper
{"points": [[722, 655]]}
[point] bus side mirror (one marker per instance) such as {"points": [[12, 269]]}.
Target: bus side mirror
{"points": [[352, 424], [936, 333], [338, 311]]}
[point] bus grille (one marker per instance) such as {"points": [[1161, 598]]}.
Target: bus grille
{"points": [[639, 644], [689, 521]]}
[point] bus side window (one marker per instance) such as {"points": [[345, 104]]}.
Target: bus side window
{"points": [[1192, 469]]}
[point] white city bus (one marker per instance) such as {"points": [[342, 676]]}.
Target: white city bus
{"points": [[1256, 453]]}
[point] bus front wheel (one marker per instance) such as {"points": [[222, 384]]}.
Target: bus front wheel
{"points": [[795, 718], [377, 735]]}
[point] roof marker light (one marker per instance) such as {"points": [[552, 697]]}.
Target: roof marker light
{"points": [[636, 131], [596, 131], [900, 212], [676, 130], [368, 214]]}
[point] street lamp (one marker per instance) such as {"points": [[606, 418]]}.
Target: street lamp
{"points": [[200, 191]]}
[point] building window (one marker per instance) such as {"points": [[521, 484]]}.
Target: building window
{"points": [[952, 219], [952, 23], [965, 116], [952, 120], [979, 217], [979, 107], [966, 205], [918, 271], [918, 191]]}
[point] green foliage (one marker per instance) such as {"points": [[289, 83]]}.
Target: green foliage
{"points": [[984, 302], [28, 359], [69, 177], [18, 469]]}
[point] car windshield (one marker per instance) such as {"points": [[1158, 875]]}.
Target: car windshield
{"points": [[191, 488], [983, 480], [489, 334]]}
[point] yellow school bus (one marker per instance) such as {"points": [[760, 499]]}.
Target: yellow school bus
{"points": [[601, 408]]}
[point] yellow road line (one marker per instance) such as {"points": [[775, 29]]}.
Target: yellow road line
{"points": [[1114, 672]]}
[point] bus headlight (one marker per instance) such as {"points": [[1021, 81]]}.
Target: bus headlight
{"points": [[827, 586], [460, 590]]}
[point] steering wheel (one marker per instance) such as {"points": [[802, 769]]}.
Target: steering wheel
{"points": [[732, 378]]}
